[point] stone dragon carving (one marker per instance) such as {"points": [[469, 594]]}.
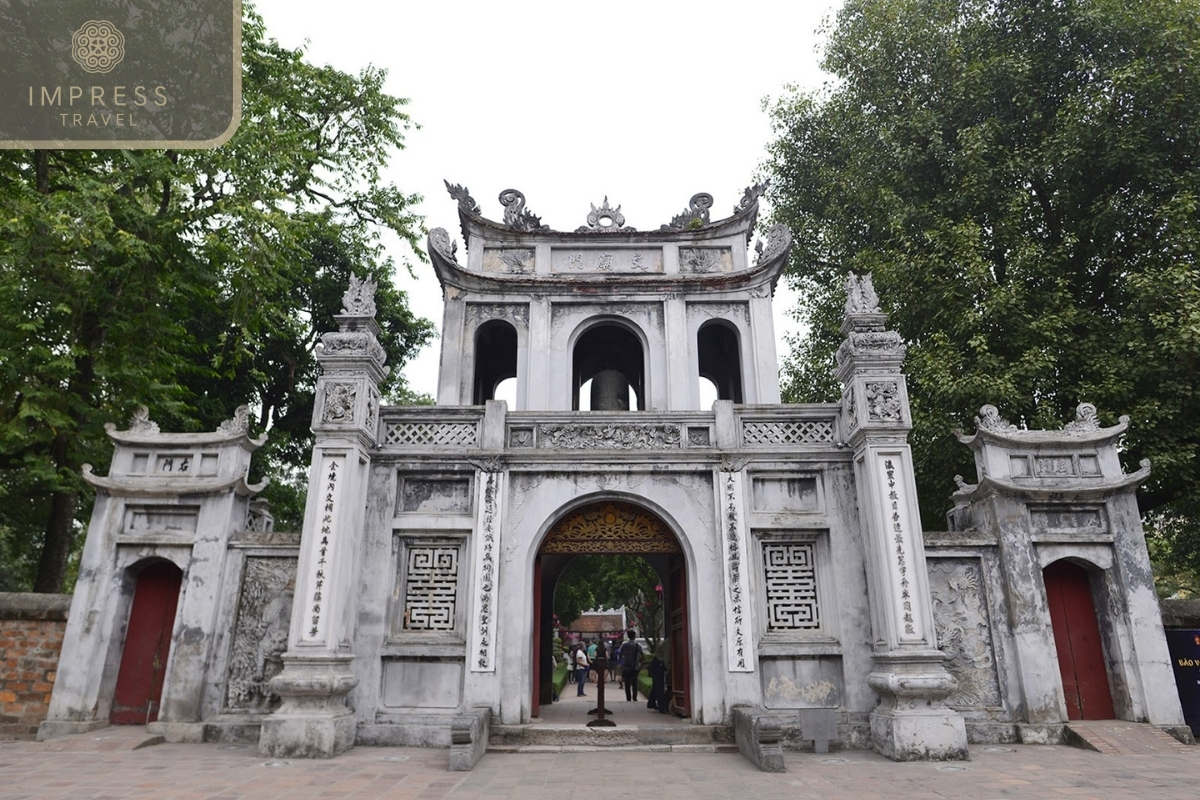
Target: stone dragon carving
{"points": [[517, 217], [694, 216]]}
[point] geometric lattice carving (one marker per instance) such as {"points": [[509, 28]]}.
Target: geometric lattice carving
{"points": [[784, 432], [790, 575], [610, 527], [437, 434], [431, 593]]}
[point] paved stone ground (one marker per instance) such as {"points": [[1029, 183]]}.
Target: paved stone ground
{"points": [[102, 766]]}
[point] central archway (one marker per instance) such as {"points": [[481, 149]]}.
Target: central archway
{"points": [[612, 527]]}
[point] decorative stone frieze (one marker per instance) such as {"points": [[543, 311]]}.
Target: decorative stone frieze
{"points": [[615, 436]]}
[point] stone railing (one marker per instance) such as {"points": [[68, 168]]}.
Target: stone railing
{"points": [[727, 427]]}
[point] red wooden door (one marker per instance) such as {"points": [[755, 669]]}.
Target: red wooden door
{"points": [[147, 645], [681, 692], [1077, 641]]}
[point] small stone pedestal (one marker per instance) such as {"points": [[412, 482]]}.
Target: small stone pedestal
{"points": [[912, 722], [313, 721]]}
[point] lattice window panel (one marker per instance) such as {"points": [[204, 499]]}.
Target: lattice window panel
{"points": [[437, 434], [431, 588], [791, 579], [785, 432]]}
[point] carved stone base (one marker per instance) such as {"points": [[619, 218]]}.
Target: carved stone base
{"points": [[178, 732], [913, 723], [53, 728], [313, 721]]}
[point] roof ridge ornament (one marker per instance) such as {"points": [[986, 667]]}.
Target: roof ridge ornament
{"points": [[1085, 421], [517, 217], [751, 195], [359, 299], [238, 423], [439, 240], [463, 196], [860, 295], [779, 239], [595, 220], [989, 419], [694, 216], [140, 422]]}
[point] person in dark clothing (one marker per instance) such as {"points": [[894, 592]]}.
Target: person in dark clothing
{"points": [[658, 683], [660, 670], [631, 664]]}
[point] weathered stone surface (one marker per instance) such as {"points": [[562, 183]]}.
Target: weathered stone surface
{"points": [[758, 738], [469, 739]]}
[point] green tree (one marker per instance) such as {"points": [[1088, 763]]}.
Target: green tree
{"points": [[1021, 179], [190, 282], [612, 581]]}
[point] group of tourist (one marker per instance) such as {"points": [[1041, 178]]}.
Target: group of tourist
{"points": [[627, 659]]}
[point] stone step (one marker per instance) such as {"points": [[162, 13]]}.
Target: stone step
{"points": [[637, 748], [558, 736], [1117, 737]]}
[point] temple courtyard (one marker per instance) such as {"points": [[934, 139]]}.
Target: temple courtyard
{"points": [[122, 762]]}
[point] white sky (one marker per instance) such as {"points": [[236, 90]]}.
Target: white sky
{"points": [[568, 102]]}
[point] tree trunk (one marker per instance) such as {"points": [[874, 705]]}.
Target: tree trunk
{"points": [[60, 529]]}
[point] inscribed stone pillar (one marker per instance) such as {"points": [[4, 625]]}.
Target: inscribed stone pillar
{"points": [[314, 721], [912, 721]]}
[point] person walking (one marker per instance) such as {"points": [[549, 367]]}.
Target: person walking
{"points": [[631, 664], [581, 670]]}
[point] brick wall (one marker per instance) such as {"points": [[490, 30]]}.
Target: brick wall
{"points": [[31, 634]]}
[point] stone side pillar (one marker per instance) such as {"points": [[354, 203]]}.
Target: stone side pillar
{"points": [[912, 722], [314, 720]]}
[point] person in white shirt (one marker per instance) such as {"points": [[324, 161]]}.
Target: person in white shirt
{"points": [[581, 670]]}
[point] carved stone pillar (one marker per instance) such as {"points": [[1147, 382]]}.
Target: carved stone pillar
{"points": [[912, 721], [314, 720]]}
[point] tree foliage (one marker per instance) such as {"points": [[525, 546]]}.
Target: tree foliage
{"points": [[1021, 180], [611, 581], [190, 282]]}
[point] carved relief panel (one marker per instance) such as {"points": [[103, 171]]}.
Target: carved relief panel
{"points": [[964, 630], [260, 632]]}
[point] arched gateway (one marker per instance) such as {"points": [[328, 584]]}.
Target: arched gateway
{"points": [[413, 604], [613, 527]]}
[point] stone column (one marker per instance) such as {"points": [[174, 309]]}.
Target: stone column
{"points": [[912, 721], [314, 720]]}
